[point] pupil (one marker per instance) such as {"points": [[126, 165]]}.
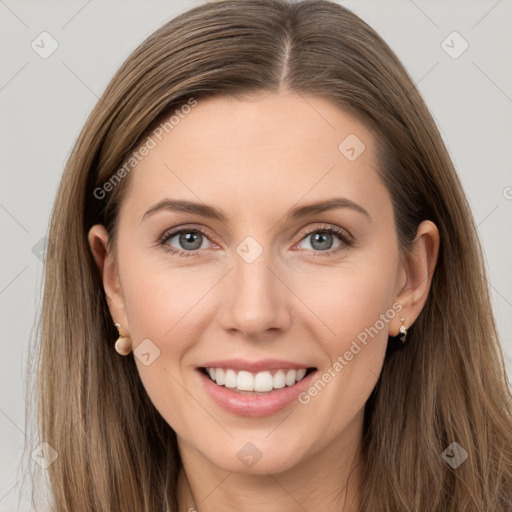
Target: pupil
{"points": [[190, 238], [325, 240]]}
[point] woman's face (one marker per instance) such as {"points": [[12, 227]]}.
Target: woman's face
{"points": [[261, 288]]}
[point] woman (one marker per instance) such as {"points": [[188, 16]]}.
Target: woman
{"points": [[326, 341]]}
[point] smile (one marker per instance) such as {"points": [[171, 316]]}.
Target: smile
{"points": [[255, 389], [261, 382]]}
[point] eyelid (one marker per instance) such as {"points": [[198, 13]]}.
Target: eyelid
{"points": [[337, 230], [171, 232]]}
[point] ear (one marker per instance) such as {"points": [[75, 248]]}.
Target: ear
{"points": [[419, 264], [99, 243]]}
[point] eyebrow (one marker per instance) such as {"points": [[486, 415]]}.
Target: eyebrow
{"points": [[297, 212]]}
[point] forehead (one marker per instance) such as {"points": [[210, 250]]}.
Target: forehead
{"points": [[257, 155]]}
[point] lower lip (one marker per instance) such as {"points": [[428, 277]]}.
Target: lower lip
{"points": [[254, 405]]}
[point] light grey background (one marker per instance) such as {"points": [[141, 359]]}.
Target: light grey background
{"points": [[44, 103]]}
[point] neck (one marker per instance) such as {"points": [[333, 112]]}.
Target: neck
{"points": [[326, 481]]}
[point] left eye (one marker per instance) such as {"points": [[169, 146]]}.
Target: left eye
{"points": [[322, 240]]}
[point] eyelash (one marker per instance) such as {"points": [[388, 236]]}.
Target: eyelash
{"points": [[340, 233]]}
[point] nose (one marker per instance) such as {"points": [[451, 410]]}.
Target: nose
{"points": [[257, 302]]}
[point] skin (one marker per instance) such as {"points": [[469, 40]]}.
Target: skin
{"points": [[255, 159]]}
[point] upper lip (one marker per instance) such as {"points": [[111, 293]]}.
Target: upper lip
{"points": [[255, 366]]}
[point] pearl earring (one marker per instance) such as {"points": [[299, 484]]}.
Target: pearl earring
{"points": [[123, 344]]}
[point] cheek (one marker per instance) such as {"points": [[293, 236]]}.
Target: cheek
{"points": [[349, 300], [353, 307], [161, 305], [160, 298], [168, 306]]}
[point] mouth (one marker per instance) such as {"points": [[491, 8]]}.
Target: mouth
{"points": [[256, 383], [254, 389]]}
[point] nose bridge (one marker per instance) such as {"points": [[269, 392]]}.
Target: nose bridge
{"points": [[256, 298]]}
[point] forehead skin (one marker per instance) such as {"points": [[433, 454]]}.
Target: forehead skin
{"points": [[255, 159]]}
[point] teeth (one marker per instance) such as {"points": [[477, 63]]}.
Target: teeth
{"points": [[291, 377], [263, 381], [218, 376], [245, 381], [229, 378], [260, 382], [300, 374], [279, 379]]}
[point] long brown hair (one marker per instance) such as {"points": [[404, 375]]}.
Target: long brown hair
{"points": [[115, 451]]}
